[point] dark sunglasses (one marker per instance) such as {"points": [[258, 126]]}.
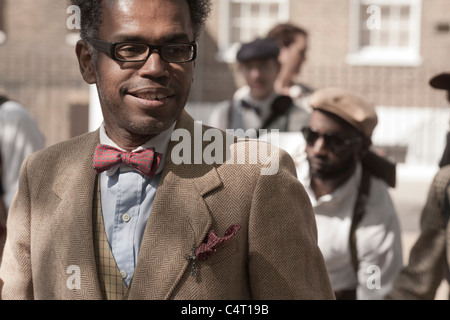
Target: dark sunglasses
{"points": [[333, 141]]}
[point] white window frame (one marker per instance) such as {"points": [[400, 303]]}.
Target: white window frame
{"points": [[385, 56], [228, 48]]}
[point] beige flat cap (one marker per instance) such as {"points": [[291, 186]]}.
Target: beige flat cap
{"points": [[347, 106]]}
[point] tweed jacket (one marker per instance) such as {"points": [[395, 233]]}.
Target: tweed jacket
{"points": [[429, 259], [49, 252]]}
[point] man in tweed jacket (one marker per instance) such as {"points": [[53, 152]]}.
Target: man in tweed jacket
{"points": [[429, 259], [200, 229]]}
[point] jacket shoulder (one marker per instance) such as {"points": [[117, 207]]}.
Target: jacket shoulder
{"points": [[66, 149], [442, 177]]}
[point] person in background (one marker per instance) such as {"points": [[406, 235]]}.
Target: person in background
{"points": [[429, 259], [257, 105], [293, 43], [122, 213], [442, 82], [20, 136], [359, 233]]}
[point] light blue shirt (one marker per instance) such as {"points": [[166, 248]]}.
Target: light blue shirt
{"points": [[127, 197]]}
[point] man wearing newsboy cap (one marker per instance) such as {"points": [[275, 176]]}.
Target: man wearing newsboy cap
{"points": [[256, 105], [358, 228], [442, 82], [429, 259]]}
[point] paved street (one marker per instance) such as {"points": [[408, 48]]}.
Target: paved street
{"points": [[409, 197]]}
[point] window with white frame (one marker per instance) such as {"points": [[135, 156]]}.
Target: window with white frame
{"points": [[2, 22], [385, 32], [243, 20]]}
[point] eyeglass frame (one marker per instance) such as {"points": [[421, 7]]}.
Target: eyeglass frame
{"points": [[306, 131], [110, 49]]}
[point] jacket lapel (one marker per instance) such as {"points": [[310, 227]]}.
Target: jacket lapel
{"points": [[179, 220], [73, 218]]}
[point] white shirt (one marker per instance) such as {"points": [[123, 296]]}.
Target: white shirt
{"points": [[378, 235], [243, 118], [19, 137], [127, 198]]}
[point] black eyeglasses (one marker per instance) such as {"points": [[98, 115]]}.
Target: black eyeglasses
{"points": [[140, 52], [335, 142]]}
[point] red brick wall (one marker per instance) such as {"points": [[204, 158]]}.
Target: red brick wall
{"points": [[328, 24], [39, 68]]}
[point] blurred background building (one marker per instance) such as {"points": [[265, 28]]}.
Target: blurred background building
{"points": [[390, 66], [389, 61], [384, 50]]}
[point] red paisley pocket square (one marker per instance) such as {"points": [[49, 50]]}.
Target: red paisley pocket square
{"points": [[212, 242]]}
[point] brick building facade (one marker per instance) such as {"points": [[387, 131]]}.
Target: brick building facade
{"points": [[39, 68], [329, 25], [38, 64]]}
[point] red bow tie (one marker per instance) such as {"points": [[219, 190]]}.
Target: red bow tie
{"points": [[145, 161]]}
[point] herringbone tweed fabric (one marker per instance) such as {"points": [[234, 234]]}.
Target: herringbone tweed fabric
{"points": [[274, 255], [429, 259]]}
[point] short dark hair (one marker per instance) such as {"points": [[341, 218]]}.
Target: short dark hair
{"points": [[91, 16], [285, 33]]}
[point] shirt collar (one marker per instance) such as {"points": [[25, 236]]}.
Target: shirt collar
{"points": [[265, 105], [160, 143], [342, 193]]}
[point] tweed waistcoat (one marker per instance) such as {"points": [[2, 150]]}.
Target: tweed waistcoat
{"points": [[112, 285]]}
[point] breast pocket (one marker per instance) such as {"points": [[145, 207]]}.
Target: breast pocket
{"points": [[228, 251]]}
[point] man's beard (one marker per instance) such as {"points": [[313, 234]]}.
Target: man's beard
{"points": [[331, 172]]}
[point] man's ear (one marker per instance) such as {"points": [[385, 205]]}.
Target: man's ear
{"points": [[85, 62]]}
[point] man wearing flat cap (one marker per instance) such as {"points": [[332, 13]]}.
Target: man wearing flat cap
{"points": [[256, 105], [429, 259], [442, 82], [358, 228]]}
